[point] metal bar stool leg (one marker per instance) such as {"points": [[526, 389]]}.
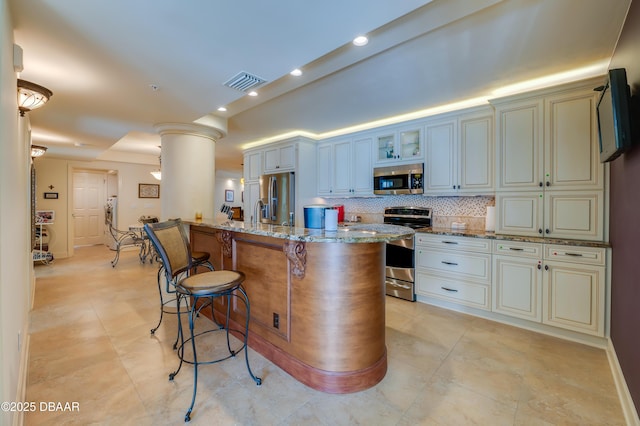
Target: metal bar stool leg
{"points": [[245, 299], [192, 313], [160, 270], [181, 338]]}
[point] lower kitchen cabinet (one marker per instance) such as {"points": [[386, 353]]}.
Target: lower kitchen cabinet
{"points": [[455, 269], [574, 288], [558, 285], [454, 290], [517, 279]]}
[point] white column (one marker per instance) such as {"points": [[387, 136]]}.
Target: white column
{"points": [[188, 169]]}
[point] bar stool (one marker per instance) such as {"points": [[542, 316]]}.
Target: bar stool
{"points": [[199, 258], [171, 243]]}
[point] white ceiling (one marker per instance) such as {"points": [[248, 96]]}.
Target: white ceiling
{"points": [[100, 59]]}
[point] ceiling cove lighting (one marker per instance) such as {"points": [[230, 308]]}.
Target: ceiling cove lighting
{"points": [[31, 96], [360, 41], [38, 151], [222, 109], [296, 72]]}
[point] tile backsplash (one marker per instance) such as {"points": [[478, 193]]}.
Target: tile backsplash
{"points": [[470, 210]]}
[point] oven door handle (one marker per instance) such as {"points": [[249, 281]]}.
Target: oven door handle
{"points": [[394, 283]]}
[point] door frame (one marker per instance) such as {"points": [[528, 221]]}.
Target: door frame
{"points": [[70, 171]]}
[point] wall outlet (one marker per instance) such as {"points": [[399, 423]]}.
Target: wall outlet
{"points": [[276, 320]]}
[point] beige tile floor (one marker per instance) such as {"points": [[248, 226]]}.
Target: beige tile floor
{"points": [[90, 343]]}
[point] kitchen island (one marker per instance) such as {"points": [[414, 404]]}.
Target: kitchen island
{"points": [[317, 297]]}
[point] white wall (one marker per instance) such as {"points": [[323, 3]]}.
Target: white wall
{"points": [[227, 181], [16, 269], [59, 174]]}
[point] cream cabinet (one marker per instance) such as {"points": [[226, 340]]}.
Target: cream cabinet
{"points": [[398, 145], [550, 182], [459, 154], [252, 166], [558, 285], [454, 269], [280, 158], [517, 279], [548, 141], [345, 168], [574, 288], [553, 214], [296, 155], [519, 145]]}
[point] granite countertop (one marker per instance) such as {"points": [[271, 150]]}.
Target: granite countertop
{"points": [[493, 236], [358, 233]]}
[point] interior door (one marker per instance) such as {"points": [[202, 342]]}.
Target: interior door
{"points": [[88, 208]]}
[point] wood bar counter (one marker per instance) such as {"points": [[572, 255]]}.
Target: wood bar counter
{"points": [[317, 298]]}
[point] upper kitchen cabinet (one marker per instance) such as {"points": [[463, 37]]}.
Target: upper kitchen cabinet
{"points": [[399, 145], [549, 140], [571, 150], [519, 128], [280, 158], [296, 155], [459, 154], [252, 166], [345, 168]]}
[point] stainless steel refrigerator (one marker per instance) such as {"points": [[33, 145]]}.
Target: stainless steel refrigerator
{"points": [[277, 198]]}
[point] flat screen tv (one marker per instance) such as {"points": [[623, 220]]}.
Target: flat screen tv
{"points": [[614, 116]]}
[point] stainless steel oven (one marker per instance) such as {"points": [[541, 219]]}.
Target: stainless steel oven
{"points": [[400, 266]]}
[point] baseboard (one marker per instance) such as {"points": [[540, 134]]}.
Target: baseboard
{"points": [[628, 407], [21, 392]]}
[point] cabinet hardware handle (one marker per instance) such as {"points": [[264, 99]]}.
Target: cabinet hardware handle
{"points": [[548, 183], [453, 290], [516, 249], [574, 254], [546, 231], [449, 242], [539, 230], [540, 184], [454, 187], [539, 266], [546, 267], [458, 186], [449, 263]]}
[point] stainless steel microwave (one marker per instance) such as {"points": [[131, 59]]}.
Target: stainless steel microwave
{"points": [[396, 180]]}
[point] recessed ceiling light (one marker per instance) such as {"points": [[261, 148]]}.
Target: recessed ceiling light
{"points": [[252, 93], [360, 41], [297, 72], [222, 109]]}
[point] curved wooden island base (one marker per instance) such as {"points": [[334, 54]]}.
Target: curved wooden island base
{"points": [[317, 308]]}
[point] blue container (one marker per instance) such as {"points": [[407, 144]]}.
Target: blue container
{"points": [[314, 216]]}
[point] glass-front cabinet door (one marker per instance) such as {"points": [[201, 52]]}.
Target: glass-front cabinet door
{"points": [[410, 144], [399, 146], [387, 147]]}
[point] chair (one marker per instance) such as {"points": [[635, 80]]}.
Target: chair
{"points": [[171, 244], [199, 258], [125, 238]]}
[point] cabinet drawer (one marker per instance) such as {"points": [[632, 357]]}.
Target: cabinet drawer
{"points": [[586, 255], [476, 266], [476, 295], [517, 248], [455, 243]]}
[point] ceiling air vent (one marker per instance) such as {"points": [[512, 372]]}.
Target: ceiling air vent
{"points": [[244, 81]]}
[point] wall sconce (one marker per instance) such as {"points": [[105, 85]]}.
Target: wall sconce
{"points": [[38, 151], [31, 96]]}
